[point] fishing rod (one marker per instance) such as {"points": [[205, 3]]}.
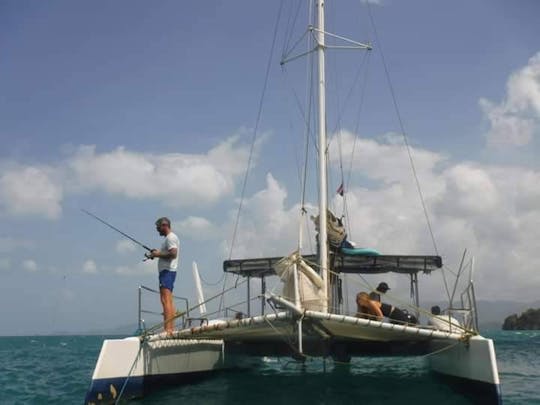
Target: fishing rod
{"points": [[120, 232]]}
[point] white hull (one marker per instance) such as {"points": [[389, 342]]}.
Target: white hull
{"points": [[469, 361], [129, 367], [197, 351]]}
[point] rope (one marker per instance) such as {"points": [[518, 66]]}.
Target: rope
{"points": [[443, 349], [129, 375], [283, 336]]}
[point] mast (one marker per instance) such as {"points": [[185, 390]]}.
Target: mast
{"points": [[323, 238]]}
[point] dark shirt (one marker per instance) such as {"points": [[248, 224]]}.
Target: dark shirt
{"points": [[375, 296], [386, 309]]}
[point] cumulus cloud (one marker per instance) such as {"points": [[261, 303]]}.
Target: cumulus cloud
{"points": [[89, 267], [175, 179], [516, 119], [199, 228], [9, 244], [385, 159], [30, 191], [139, 269], [125, 246], [29, 265], [267, 227], [493, 211]]}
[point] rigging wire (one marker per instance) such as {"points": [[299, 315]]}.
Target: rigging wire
{"points": [[301, 109], [337, 131], [289, 29], [356, 129], [403, 133], [309, 105], [255, 133], [209, 283], [405, 139]]}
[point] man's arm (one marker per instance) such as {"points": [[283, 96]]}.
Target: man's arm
{"points": [[170, 254], [376, 310]]}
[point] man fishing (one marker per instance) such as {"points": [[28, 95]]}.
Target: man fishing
{"points": [[167, 265]]}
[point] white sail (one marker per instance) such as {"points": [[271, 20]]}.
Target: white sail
{"points": [[198, 287]]}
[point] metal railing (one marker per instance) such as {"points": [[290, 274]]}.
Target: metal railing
{"points": [[468, 303], [141, 310]]}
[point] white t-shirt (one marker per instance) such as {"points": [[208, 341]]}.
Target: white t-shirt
{"points": [[171, 242]]}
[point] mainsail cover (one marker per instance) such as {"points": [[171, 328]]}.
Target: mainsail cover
{"points": [[310, 284], [334, 228]]}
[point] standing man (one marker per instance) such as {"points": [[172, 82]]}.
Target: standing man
{"points": [[167, 265]]}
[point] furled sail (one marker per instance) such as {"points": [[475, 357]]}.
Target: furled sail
{"points": [[310, 283], [335, 229]]}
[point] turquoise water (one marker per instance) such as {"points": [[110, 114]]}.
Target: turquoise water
{"points": [[57, 369]]}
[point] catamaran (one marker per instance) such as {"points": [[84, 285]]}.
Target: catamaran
{"points": [[307, 317]]}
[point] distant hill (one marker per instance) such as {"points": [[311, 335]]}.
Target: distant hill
{"points": [[528, 320], [493, 313]]}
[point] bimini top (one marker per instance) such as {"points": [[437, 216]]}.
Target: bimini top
{"points": [[341, 263]]}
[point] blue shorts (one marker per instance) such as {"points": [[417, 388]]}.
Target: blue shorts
{"points": [[166, 279]]}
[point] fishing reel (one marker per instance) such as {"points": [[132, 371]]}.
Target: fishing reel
{"points": [[147, 256]]}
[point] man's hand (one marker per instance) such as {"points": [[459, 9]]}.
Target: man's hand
{"points": [[154, 253]]}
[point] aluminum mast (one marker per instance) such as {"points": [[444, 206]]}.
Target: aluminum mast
{"points": [[323, 237]]}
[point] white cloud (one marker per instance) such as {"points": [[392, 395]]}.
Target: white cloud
{"points": [[9, 244], [30, 191], [29, 265], [141, 268], [385, 160], [177, 179], [125, 246], [198, 228], [89, 267], [516, 119], [267, 227], [472, 189], [493, 211]]}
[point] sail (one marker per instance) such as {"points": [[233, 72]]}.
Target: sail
{"points": [[335, 230], [310, 284]]}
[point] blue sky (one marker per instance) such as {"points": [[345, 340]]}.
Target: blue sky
{"points": [[135, 111]]}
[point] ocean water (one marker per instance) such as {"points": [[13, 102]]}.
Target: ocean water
{"points": [[57, 369]]}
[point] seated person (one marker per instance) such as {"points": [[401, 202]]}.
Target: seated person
{"points": [[443, 322], [382, 288], [367, 308], [239, 315], [371, 309]]}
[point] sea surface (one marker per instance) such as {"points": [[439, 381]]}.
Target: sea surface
{"points": [[57, 370]]}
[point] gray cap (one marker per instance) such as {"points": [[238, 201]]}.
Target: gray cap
{"points": [[162, 220]]}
